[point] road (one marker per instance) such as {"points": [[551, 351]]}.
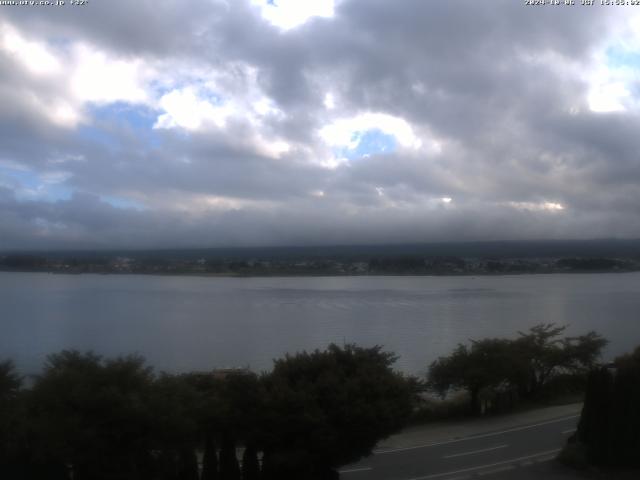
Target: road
{"points": [[472, 456]]}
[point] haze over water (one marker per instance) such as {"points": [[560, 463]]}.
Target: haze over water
{"points": [[186, 323]]}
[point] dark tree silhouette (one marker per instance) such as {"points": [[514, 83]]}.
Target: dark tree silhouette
{"points": [[92, 414], [188, 464], [12, 426], [329, 408], [610, 420], [92, 418], [541, 353], [250, 464], [524, 365], [210, 460], [486, 364], [229, 467]]}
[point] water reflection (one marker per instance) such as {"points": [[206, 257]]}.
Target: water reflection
{"points": [[182, 323]]}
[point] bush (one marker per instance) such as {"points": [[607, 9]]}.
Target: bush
{"points": [[574, 455]]}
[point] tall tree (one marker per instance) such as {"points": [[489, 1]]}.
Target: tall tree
{"points": [[486, 364], [610, 419], [210, 459], [542, 353], [229, 467], [92, 414], [174, 405], [188, 464], [250, 464], [525, 364], [329, 408], [12, 426]]}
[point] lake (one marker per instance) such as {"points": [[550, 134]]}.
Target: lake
{"points": [[199, 323]]}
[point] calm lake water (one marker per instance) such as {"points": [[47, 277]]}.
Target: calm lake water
{"points": [[187, 323]]}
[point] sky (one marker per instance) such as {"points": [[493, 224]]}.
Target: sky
{"points": [[160, 124]]}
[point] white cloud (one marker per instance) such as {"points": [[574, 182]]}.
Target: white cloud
{"points": [[198, 204], [344, 132], [76, 74], [186, 109], [273, 149], [37, 57], [103, 79], [64, 114], [332, 163], [608, 97], [264, 107], [538, 207], [329, 101], [288, 14], [615, 68]]}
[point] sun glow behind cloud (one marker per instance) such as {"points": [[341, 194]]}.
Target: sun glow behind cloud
{"points": [[288, 14], [609, 82], [100, 78], [348, 132], [186, 109], [538, 206], [616, 72]]}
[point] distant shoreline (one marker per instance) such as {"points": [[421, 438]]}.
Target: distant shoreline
{"points": [[315, 265], [326, 275]]}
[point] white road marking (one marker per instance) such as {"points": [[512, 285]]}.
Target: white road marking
{"points": [[354, 470], [497, 470], [571, 430], [475, 451], [481, 467], [474, 437]]}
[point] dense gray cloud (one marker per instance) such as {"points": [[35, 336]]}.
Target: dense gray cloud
{"points": [[133, 124]]}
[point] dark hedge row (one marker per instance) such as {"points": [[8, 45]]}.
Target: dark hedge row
{"points": [[90, 418]]}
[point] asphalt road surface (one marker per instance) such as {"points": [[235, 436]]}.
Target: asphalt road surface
{"points": [[474, 456]]}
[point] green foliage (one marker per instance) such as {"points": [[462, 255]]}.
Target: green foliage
{"points": [[175, 405], [92, 414], [100, 419], [573, 455], [11, 418], [188, 464], [240, 405], [429, 409], [610, 419], [10, 381], [502, 367], [229, 467], [543, 354], [329, 408], [250, 464], [209, 460], [487, 364]]}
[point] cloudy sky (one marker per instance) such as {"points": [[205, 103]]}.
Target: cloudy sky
{"points": [[252, 122]]}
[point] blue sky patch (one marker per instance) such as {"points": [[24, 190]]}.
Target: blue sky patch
{"points": [[122, 203], [28, 185], [369, 142], [109, 121], [618, 57]]}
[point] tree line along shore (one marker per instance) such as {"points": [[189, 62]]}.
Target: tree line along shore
{"points": [[313, 266]]}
